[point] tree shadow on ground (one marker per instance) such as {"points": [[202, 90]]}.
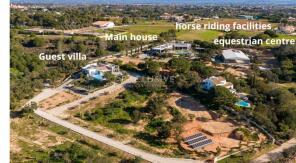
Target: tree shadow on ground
{"points": [[150, 139], [120, 121]]}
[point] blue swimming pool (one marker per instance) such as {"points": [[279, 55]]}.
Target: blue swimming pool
{"points": [[243, 103], [98, 76]]}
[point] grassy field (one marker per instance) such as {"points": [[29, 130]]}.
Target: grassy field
{"points": [[204, 35], [190, 35], [238, 21], [147, 29], [249, 33]]}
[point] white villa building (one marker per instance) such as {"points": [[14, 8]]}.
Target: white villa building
{"points": [[171, 46], [213, 81], [97, 70]]}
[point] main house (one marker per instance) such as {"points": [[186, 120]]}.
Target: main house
{"points": [[235, 56], [213, 81], [171, 46], [103, 24]]}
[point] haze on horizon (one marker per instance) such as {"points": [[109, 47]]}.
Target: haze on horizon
{"points": [[164, 2]]}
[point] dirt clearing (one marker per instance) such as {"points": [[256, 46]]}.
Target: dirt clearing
{"points": [[57, 100]]}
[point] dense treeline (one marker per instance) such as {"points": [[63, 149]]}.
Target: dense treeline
{"points": [[63, 17], [60, 19], [28, 73], [286, 56]]}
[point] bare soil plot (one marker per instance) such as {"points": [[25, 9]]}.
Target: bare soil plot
{"points": [[99, 101], [125, 59], [206, 122], [236, 72], [58, 99], [14, 147], [188, 105]]}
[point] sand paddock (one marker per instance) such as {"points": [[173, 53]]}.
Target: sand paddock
{"points": [[206, 122], [125, 60], [188, 105], [57, 100]]}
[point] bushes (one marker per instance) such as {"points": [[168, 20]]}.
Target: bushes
{"points": [[146, 86], [155, 106], [180, 65], [221, 96], [36, 42]]}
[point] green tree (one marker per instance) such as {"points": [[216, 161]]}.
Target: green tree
{"points": [[109, 76], [222, 97], [271, 33], [146, 85], [59, 46], [156, 105], [125, 20], [164, 130], [37, 42], [180, 65], [151, 67], [136, 116], [99, 52]]}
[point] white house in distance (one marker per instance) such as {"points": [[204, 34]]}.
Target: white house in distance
{"points": [[103, 24], [235, 56], [213, 81], [171, 46], [288, 29], [181, 46]]}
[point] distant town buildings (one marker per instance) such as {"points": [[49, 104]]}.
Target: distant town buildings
{"points": [[15, 6], [175, 18], [248, 17], [216, 17], [103, 24], [166, 16], [291, 19], [234, 56], [287, 29]]}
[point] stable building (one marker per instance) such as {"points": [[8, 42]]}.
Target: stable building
{"points": [[234, 56]]}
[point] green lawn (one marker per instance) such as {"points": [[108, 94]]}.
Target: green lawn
{"points": [[147, 29], [204, 35], [190, 35]]}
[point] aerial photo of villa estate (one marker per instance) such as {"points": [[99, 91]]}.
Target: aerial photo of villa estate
{"points": [[161, 82]]}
